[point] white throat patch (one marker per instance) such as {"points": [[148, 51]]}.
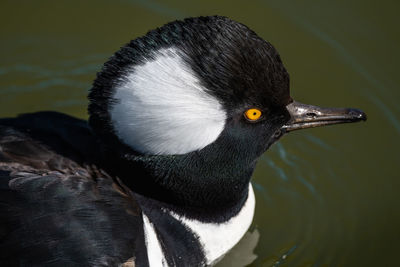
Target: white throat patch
{"points": [[218, 239], [161, 108]]}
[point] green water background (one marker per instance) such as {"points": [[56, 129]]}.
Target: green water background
{"points": [[325, 197]]}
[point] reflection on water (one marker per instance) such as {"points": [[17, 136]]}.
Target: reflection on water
{"points": [[282, 258], [325, 197]]}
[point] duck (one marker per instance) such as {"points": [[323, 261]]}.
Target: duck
{"points": [[160, 174]]}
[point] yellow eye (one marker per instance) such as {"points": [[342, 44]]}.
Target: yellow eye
{"points": [[253, 114]]}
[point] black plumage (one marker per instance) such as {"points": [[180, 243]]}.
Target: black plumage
{"points": [[57, 208]]}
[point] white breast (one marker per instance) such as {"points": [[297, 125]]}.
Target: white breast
{"points": [[218, 239], [154, 250]]}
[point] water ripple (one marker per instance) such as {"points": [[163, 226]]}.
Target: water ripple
{"points": [[284, 256], [388, 113], [292, 13], [318, 141], [281, 173]]}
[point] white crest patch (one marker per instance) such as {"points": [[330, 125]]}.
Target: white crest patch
{"points": [[218, 239], [162, 108]]}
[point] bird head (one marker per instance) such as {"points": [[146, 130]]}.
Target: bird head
{"points": [[206, 96]]}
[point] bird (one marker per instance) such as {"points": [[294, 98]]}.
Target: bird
{"points": [[160, 174]]}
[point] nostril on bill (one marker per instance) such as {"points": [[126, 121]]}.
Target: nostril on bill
{"points": [[311, 114]]}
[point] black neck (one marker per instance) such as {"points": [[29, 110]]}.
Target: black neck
{"points": [[201, 184]]}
